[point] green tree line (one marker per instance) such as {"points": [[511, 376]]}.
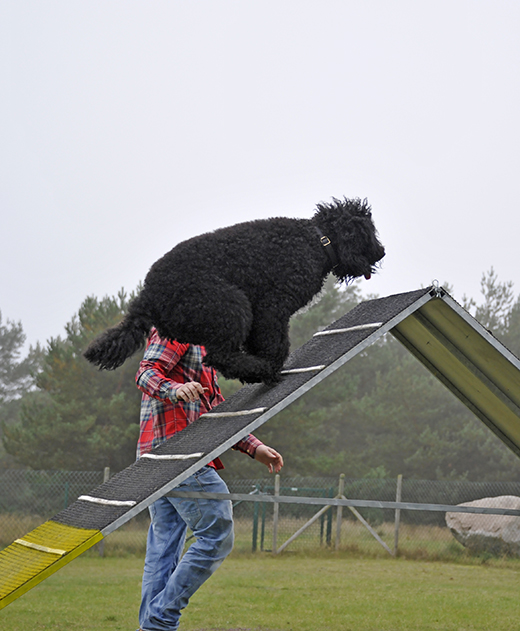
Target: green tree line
{"points": [[380, 415]]}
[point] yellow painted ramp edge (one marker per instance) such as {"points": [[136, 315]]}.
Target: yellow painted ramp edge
{"points": [[33, 558]]}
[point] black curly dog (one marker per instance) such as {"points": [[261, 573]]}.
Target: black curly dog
{"points": [[234, 290]]}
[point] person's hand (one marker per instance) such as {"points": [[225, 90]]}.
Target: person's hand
{"points": [[190, 391], [271, 458]]}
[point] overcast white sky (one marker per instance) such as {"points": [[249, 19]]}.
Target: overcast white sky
{"points": [[130, 126]]}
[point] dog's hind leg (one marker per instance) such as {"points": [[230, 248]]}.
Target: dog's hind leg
{"points": [[219, 317], [264, 351], [243, 366], [228, 354], [268, 338]]}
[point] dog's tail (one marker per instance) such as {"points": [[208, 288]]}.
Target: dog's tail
{"points": [[110, 349]]}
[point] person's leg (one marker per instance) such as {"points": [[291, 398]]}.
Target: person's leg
{"points": [[212, 524], [164, 546]]}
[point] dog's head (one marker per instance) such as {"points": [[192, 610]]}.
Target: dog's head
{"points": [[349, 226]]}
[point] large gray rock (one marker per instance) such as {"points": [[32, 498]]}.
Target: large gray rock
{"points": [[498, 534]]}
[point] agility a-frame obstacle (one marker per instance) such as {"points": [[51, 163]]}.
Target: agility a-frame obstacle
{"points": [[479, 370]]}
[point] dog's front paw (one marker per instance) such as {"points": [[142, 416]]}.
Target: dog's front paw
{"points": [[272, 379]]}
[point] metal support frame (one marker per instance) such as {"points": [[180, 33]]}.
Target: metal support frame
{"points": [[334, 501]]}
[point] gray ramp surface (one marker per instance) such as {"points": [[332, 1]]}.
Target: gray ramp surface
{"points": [[444, 337], [147, 480]]}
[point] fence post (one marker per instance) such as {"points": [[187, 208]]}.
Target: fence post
{"points": [[106, 478], [397, 513], [256, 510], [322, 526], [339, 515], [262, 530], [276, 509], [329, 520], [255, 526]]}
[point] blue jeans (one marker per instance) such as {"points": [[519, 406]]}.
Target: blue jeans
{"points": [[168, 580]]}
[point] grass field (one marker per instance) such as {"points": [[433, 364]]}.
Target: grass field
{"points": [[329, 592]]}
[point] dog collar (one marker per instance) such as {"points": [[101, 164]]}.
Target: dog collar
{"points": [[327, 244]]}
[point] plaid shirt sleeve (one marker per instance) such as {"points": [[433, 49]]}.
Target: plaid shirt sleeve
{"points": [[248, 445], [158, 360]]}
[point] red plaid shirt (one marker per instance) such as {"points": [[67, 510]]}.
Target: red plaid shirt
{"points": [[166, 366]]}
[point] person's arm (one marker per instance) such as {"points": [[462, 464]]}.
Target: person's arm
{"points": [[159, 360], [255, 448]]}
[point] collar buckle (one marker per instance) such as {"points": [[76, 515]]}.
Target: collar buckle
{"points": [[325, 241]]}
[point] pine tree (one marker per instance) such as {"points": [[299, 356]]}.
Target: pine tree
{"points": [[81, 418], [17, 376]]}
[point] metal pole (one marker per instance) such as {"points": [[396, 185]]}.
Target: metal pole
{"points": [[101, 544], [397, 513], [329, 520], [262, 530], [255, 526], [334, 501], [339, 515], [276, 508]]}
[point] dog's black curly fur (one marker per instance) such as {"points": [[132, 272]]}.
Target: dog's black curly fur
{"points": [[234, 290]]}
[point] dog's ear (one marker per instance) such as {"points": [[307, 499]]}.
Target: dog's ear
{"points": [[357, 244]]}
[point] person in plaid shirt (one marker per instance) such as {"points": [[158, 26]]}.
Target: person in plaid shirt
{"points": [[177, 388]]}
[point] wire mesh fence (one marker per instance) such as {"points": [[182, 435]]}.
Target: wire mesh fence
{"points": [[421, 534], [28, 498]]}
